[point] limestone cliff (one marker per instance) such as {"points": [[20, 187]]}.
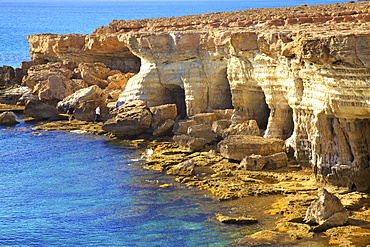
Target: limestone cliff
{"points": [[303, 73]]}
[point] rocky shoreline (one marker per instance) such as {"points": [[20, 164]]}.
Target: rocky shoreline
{"points": [[221, 177], [247, 103]]}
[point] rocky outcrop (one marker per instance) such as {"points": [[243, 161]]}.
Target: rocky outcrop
{"points": [[84, 101], [40, 110], [268, 162], [185, 168], [237, 147], [302, 73], [130, 119], [10, 76], [13, 95]]}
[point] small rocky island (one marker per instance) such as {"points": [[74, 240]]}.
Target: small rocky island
{"points": [[267, 101]]}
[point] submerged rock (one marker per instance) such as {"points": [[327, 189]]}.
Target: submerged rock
{"points": [[8, 119], [239, 220]]}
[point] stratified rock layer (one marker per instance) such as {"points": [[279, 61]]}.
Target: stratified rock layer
{"points": [[303, 73]]}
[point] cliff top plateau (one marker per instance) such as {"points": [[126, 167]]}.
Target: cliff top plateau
{"points": [[348, 15]]}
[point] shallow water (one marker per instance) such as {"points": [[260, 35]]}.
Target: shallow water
{"points": [[63, 189]]}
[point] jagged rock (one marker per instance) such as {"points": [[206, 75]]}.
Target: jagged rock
{"points": [[26, 97], [52, 82], [162, 113], [220, 125], [249, 127], [11, 95], [203, 131], [268, 162], [94, 73], [40, 110], [185, 168], [84, 101], [181, 127], [10, 76], [190, 143], [326, 211], [131, 118], [8, 119], [164, 129], [236, 147]]}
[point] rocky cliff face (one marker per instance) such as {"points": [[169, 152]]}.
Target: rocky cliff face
{"points": [[302, 73]]}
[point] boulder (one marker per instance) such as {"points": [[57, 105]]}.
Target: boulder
{"points": [[190, 143], [220, 125], [162, 113], [268, 162], [40, 110], [185, 168], [8, 119], [181, 127], [202, 131], [130, 119], [236, 147], [204, 118], [327, 211], [164, 129], [95, 74], [84, 101], [249, 127]]}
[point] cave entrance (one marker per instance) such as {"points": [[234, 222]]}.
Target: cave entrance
{"points": [[177, 96], [219, 92], [129, 63]]}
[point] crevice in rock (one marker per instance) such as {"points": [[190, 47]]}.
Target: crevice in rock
{"points": [[265, 112]]}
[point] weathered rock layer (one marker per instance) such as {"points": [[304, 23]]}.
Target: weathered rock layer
{"points": [[303, 73]]}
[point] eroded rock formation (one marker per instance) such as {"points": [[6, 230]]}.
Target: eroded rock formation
{"points": [[303, 73]]}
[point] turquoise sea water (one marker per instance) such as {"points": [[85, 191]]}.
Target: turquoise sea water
{"points": [[64, 189]]}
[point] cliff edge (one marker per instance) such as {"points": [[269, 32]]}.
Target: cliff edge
{"points": [[303, 73]]}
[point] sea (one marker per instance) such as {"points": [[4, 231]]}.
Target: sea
{"points": [[76, 189]]}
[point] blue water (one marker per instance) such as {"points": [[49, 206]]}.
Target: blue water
{"points": [[63, 189]]}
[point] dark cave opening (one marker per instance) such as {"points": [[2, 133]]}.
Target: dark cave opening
{"points": [[177, 96]]}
